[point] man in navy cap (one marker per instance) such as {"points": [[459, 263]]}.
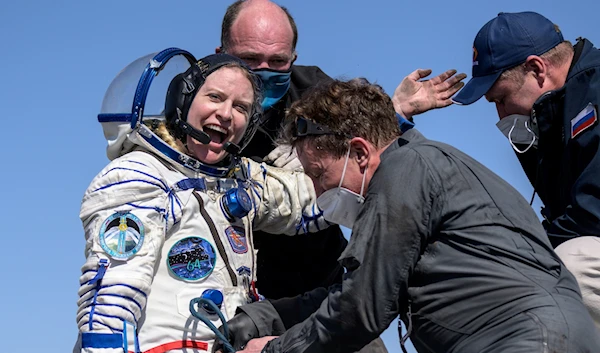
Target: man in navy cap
{"points": [[547, 93]]}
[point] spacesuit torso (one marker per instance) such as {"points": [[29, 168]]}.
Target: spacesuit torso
{"points": [[159, 236]]}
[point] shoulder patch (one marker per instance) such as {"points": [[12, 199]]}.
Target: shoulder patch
{"points": [[192, 259], [584, 120], [237, 239], [122, 235]]}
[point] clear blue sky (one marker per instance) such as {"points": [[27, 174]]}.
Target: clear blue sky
{"points": [[58, 58]]}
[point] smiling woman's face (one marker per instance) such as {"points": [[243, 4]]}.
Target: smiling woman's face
{"points": [[221, 109]]}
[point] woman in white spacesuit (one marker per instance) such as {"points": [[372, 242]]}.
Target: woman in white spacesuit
{"points": [[169, 219]]}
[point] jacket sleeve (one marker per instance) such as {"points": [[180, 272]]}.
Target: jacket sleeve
{"points": [[273, 316], [285, 200], [384, 248], [582, 215], [126, 212]]}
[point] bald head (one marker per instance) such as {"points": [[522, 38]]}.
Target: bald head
{"points": [[261, 33]]}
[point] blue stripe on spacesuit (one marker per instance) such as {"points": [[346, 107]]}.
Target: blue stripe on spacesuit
{"points": [[136, 162], [106, 315], [319, 213], [307, 220], [97, 280], [173, 209], [113, 295], [156, 208], [103, 324], [101, 340], [172, 196], [114, 305], [178, 203], [264, 170], [121, 296], [191, 183], [84, 272], [165, 187], [93, 305], [127, 181], [125, 285]]}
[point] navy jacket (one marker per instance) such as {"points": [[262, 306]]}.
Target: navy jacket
{"points": [[566, 171]]}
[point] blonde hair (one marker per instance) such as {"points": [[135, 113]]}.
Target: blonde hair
{"points": [[556, 56], [161, 130]]}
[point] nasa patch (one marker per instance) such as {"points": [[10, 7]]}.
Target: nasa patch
{"points": [[237, 239], [192, 259], [122, 235]]}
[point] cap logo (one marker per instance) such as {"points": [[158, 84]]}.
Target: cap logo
{"points": [[475, 62]]}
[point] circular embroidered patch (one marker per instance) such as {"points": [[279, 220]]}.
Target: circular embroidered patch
{"points": [[122, 235], [192, 258]]}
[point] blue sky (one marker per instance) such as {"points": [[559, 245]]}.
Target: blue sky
{"points": [[58, 58]]}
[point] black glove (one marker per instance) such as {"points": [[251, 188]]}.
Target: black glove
{"points": [[241, 330]]}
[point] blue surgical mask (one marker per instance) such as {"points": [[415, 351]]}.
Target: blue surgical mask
{"points": [[275, 85]]}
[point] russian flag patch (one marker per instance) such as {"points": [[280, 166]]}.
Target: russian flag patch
{"points": [[585, 119]]}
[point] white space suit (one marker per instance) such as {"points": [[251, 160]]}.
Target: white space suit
{"points": [[174, 243], [160, 232]]}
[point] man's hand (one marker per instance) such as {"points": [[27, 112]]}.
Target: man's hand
{"points": [[256, 345], [415, 96], [241, 330]]}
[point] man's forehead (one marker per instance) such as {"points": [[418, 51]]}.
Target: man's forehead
{"points": [[269, 25], [310, 153]]}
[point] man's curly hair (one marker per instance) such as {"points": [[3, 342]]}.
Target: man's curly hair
{"points": [[349, 108]]}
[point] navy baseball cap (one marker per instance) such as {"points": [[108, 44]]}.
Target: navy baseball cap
{"points": [[503, 43]]}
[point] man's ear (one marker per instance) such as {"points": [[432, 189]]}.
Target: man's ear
{"points": [[218, 50], [360, 150], [539, 67]]}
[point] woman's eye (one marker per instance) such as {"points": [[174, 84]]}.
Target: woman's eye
{"points": [[242, 109]]}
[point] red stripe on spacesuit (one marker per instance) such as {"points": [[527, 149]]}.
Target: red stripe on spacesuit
{"points": [[177, 345]]}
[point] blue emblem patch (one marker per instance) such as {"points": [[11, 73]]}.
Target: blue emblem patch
{"points": [[192, 259], [237, 239], [122, 235]]}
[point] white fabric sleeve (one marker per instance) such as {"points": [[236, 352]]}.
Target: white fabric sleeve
{"points": [[285, 201], [285, 157], [126, 212]]}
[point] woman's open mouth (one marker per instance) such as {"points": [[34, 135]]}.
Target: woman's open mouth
{"points": [[217, 134]]}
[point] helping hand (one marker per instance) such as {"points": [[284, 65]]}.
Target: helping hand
{"points": [[256, 345], [241, 330], [413, 96]]}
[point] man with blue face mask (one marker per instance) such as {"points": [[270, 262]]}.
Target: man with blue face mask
{"points": [[264, 35], [437, 238], [547, 93]]}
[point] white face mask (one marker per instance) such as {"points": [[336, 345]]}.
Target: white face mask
{"points": [[340, 205], [519, 130]]}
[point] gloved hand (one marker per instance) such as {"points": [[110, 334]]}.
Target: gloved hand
{"points": [[283, 156], [241, 330]]}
